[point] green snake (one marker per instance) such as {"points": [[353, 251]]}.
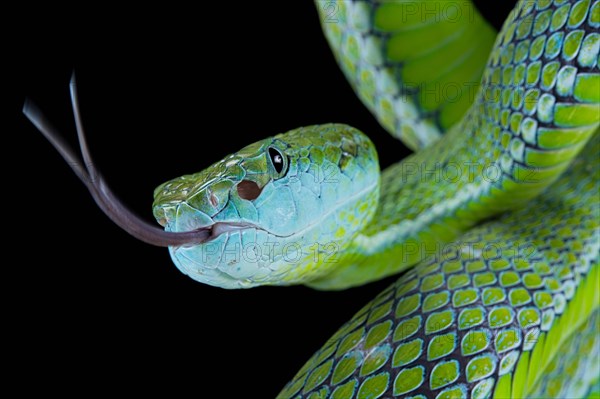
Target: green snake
{"points": [[495, 220]]}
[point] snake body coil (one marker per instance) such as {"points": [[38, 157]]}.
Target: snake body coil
{"points": [[497, 215], [511, 308]]}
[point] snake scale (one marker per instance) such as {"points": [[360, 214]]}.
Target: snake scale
{"points": [[495, 218]]}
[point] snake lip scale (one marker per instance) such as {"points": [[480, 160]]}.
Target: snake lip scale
{"points": [[218, 228], [213, 230]]}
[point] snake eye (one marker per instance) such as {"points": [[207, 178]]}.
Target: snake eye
{"points": [[278, 160]]}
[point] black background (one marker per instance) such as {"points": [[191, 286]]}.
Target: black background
{"points": [[156, 86]]}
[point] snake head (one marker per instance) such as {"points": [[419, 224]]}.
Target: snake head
{"points": [[279, 211]]}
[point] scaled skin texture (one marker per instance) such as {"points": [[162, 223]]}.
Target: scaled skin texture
{"points": [[285, 206]]}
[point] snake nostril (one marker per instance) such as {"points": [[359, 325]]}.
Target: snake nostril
{"points": [[248, 190]]}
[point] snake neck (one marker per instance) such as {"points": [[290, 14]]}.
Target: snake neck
{"points": [[537, 107]]}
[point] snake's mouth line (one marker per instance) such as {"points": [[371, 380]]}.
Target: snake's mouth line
{"points": [[218, 228], [213, 231]]}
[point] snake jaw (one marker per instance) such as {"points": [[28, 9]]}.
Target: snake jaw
{"points": [[219, 228], [182, 220]]}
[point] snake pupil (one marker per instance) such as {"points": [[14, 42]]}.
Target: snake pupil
{"points": [[276, 159]]}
